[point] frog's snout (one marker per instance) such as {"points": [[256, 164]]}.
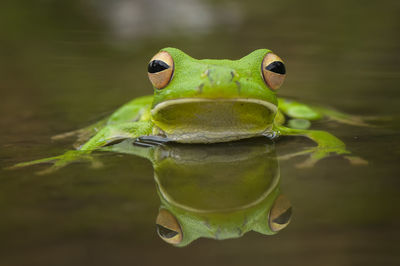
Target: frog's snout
{"points": [[219, 76], [220, 81]]}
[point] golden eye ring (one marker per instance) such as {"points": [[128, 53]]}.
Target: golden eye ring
{"points": [[168, 227], [280, 213], [160, 69], [273, 71]]}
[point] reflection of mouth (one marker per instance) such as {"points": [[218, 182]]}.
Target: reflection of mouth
{"points": [[199, 120], [220, 190]]}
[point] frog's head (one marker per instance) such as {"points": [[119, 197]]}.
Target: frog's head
{"points": [[180, 227], [214, 100]]}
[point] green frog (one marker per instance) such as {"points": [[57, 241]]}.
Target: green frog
{"points": [[218, 191], [209, 101]]}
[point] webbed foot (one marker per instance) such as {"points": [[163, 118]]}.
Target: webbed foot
{"points": [[61, 161], [316, 154], [327, 144]]}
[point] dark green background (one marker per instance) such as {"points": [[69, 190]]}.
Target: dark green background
{"points": [[66, 64]]}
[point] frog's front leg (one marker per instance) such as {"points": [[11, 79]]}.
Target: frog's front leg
{"points": [[301, 111], [326, 145], [116, 132], [110, 134]]}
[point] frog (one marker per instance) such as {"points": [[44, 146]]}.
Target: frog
{"points": [[218, 191], [209, 101]]}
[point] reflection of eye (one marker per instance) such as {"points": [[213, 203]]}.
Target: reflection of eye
{"points": [[280, 214], [273, 71], [168, 227], [160, 69]]}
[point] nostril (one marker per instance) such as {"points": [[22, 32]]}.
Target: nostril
{"points": [[208, 73], [233, 75]]}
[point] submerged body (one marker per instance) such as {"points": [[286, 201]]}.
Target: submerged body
{"points": [[209, 101]]}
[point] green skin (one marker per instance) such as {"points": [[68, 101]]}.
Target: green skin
{"points": [[215, 191], [208, 101]]}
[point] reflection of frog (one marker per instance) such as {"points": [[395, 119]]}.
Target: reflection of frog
{"points": [[217, 191], [208, 101]]}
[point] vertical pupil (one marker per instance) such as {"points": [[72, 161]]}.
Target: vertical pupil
{"points": [[276, 67], [157, 66]]}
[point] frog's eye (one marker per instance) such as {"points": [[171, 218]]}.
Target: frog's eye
{"points": [[160, 69], [168, 227], [280, 214], [273, 71]]}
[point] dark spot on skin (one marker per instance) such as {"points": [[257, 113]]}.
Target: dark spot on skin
{"points": [[114, 141], [238, 86], [200, 88], [284, 217], [165, 232], [157, 66], [233, 75], [239, 231], [276, 67]]}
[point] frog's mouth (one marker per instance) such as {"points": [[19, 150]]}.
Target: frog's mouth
{"points": [[194, 120]]}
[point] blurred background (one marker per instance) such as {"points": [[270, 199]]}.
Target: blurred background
{"points": [[66, 64]]}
